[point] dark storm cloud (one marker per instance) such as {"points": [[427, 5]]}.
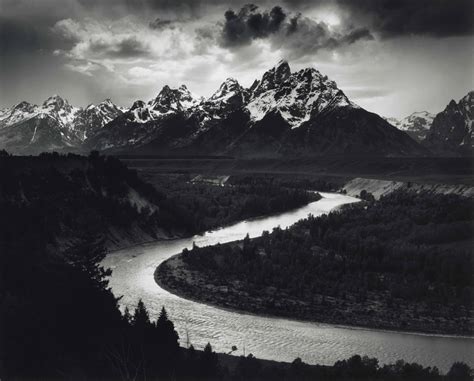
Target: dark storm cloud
{"points": [[389, 18], [296, 33], [19, 37], [126, 48], [87, 49], [356, 35], [182, 8], [16, 37], [159, 24], [305, 36], [441, 18], [250, 23], [394, 18]]}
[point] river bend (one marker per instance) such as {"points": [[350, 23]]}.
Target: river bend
{"points": [[267, 337]]}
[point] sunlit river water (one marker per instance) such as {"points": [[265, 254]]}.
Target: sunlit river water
{"points": [[267, 337]]}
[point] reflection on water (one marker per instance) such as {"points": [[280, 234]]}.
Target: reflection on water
{"points": [[265, 337]]}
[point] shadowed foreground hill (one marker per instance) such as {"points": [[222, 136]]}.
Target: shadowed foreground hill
{"points": [[98, 196]]}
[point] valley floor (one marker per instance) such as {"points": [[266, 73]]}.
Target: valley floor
{"points": [[424, 170]]}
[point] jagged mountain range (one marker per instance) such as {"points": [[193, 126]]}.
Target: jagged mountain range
{"points": [[446, 133], [29, 128], [283, 113], [416, 125]]}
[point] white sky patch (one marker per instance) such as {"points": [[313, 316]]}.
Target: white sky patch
{"points": [[330, 15], [140, 72], [331, 19], [84, 67]]}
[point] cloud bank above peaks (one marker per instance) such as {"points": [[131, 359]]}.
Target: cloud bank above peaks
{"points": [[297, 34], [129, 49]]}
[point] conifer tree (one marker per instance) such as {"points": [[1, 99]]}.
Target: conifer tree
{"points": [[141, 318]]}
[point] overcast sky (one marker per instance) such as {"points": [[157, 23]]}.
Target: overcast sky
{"points": [[392, 57]]}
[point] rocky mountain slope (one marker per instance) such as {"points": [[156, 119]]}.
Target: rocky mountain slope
{"points": [[452, 129], [55, 125], [416, 125], [283, 114]]}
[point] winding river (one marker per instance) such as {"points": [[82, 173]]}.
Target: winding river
{"points": [[267, 337]]}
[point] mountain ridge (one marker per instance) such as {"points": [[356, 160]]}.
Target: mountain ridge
{"points": [[283, 113], [452, 130], [55, 125]]}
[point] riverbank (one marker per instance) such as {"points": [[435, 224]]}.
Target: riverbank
{"points": [[176, 277], [379, 188], [387, 264]]}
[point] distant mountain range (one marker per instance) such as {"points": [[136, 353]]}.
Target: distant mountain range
{"points": [[282, 114], [416, 125], [55, 125], [448, 132]]}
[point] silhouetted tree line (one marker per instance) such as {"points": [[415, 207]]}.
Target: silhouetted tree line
{"points": [[406, 250], [59, 320], [354, 368]]}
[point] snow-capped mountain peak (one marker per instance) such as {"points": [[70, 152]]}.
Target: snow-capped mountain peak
{"points": [[296, 96], [226, 90], [23, 105], [64, 124], [95, 117], [173, 100], [230, 96], [273, 78], [107, 106], [57, 102], [468, 100], [168, 101], [60, 109], [17, 113], [416, 124]]}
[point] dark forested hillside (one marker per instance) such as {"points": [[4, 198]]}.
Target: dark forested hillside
{"points": [[404, 262], [95, 196]]}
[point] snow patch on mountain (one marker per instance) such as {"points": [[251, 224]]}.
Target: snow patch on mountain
{"points": [[296, 96], [168, 101], [53, 125], [420, 120], [15, 114]]}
